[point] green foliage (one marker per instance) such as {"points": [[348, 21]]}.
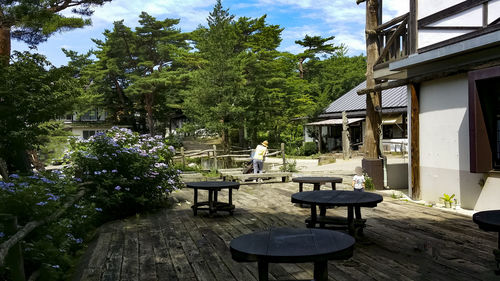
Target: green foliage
{"points": [[216, 101], [447, 199], [33, 92], [34, 21], [53, 247], [369, 183], [132, 173], [310, 148], [289, 167]]}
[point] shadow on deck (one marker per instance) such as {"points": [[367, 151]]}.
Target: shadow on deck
{"points": [[404, 241]]}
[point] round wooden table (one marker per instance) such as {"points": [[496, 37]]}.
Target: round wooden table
{"points": [[353, 200], [317, 181], [292, 245], [213, 187], [490, 221]]}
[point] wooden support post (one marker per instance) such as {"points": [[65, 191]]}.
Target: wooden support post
{"points": [[283, 154], [346, 145], [183, 157], [215, 157], [320, 139], [415, 143], [14, 260]]}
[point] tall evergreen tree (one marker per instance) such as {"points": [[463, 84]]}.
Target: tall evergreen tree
{"points": [[215, 101], [314, 45], [34, 21]]}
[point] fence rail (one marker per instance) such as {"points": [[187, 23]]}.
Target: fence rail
{"points": [[212, 153]]}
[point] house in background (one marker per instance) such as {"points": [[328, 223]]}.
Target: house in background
{"points": [[447, 53], [88, 124], [394, 116]]}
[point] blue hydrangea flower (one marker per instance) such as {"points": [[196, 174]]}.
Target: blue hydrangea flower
{"points": [[14, 176], [2, 235], [118, 187], [43, 203], [98, 209]]}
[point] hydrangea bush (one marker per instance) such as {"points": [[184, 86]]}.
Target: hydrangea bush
{"points": [[50, 248], [131, 172]]}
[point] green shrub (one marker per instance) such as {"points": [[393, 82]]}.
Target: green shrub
{"points": [[310, 148], [369, 183], [289, 166], [51, 248], [132, 173]]}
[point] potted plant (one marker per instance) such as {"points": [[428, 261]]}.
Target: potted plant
{"points": [[448, 200]]}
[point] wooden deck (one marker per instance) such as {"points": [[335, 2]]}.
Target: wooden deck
{"points": [[403, 241]]}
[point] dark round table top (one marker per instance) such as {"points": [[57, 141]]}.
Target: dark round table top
{"points": [[291, 245], [317, 179], [213, 184], [488, 220], [337, 198]]}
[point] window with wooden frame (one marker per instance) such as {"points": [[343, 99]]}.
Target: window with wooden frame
{"points": [[484, 119]]}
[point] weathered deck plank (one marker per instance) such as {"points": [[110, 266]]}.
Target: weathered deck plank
{"points": [[403, 241]]}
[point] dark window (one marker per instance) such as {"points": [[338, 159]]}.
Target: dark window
{"points": [[88, 133], [484, 119]]}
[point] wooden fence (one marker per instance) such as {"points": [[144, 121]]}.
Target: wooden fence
{"points": [[10, 250], [214, 154]]}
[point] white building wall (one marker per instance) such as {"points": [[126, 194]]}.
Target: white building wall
{"points": [[471, 17], [444, 142]]}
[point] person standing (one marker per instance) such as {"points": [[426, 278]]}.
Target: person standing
{"points": [[259, 156], [358, 181]]}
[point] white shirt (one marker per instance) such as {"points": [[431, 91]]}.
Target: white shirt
{"points": [[358, 181]]}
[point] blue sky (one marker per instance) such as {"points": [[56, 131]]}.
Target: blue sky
{"points": [[340, 18]]}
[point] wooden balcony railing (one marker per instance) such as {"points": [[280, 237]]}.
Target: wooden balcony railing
{"points": [[393, 39]]}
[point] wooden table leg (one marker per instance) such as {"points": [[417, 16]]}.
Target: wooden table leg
{"points": [[230, 200], [321, 271], [301, 185], [333, 186], [210, 201], [195, 205], [350, 219], [263, 271], [322, 213], [314, 217]]}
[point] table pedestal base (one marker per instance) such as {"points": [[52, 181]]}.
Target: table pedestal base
{"points": [[320, 271]]}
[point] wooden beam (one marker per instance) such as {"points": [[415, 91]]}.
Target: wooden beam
{"points": [[384, 86], [453, 10], [415, 143], [451, 27], [413, 27], [485, 14], [391, 22], [470, 35]]}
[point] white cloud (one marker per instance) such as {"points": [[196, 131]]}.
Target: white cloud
{"points": [[299, 32], [191, 12]]}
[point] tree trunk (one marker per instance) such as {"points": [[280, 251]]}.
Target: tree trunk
{"points": [[301, 68], [373, 99], [4, 44], [148, 100]]}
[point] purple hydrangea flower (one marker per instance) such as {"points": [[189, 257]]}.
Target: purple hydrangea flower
{"points": [[2, 235], [14, 176], [98, 209], [43, 203], [114, 171], [118, 187]]}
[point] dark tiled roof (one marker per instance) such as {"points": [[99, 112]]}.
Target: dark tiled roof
{"points": [[351, 101]]}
